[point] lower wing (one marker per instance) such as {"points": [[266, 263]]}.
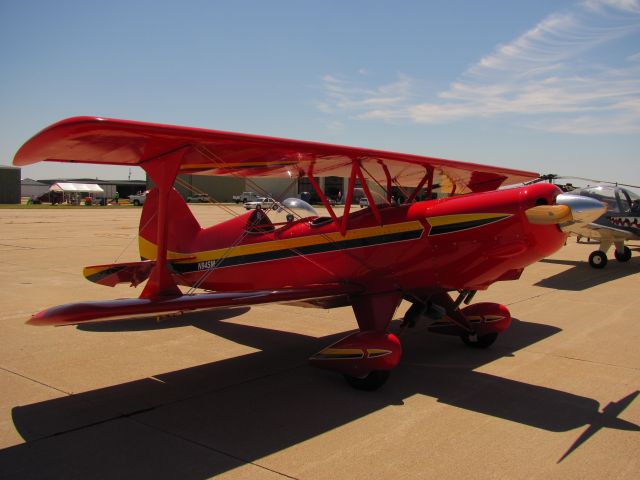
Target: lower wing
{"points": [[126, 308]]}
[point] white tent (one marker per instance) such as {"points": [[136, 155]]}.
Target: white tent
{"points": [[71, 192], [76, 187]]}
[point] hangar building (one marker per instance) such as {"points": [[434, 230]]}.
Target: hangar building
{"points": [[9, 184]]}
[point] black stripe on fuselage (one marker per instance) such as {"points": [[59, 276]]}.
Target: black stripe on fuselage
{"points": [[456, 227], [304, 250]]}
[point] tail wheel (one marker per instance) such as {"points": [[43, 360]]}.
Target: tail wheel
{"points": [[479, 341], [625, 256], [369, 382], [598, 259]]}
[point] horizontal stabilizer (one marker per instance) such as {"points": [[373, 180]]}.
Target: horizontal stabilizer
{"points": [[115, 273], [125, 308]]}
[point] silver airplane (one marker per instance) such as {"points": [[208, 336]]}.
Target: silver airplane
{"points": [[621, 221]]}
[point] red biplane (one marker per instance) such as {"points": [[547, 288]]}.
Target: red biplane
{"points": [[435, 253]]}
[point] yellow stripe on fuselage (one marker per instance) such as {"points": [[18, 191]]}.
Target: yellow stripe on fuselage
{"points": [[463, 218], [148, 249]]}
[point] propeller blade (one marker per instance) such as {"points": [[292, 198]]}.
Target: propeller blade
{"points": [[549, 214]]}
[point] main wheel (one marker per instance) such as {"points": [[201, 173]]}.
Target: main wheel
{"points": [[598, 259], [624, 256], [479, 341], [370, 382]]}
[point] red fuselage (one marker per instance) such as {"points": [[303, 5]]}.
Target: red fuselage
{"points": [[464, 242]]}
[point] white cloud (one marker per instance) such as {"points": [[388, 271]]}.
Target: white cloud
{"points": [[343, 95], [542, 76], [632, 6]]}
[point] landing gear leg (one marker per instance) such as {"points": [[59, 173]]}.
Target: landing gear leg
{"points": [[454, 314], [373, 313], [367, 357]]}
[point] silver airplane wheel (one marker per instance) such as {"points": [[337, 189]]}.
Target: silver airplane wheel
{"points": [[598, 259]]}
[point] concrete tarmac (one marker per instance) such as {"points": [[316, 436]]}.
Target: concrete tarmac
{"points": [[230, 395]]}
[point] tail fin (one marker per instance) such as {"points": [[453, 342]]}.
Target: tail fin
{"points": [[183, 226]]}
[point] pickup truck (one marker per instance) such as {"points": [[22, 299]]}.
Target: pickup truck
{"points": [[138, 198], [245, 197]]}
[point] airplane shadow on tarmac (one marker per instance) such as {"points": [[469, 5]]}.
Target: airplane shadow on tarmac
{"points": [[209, 419], [583, 277]]}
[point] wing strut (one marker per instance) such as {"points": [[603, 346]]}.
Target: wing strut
{"points": [[387, 175], [163, 170], [355, 165], [356, 173], [347, 202], [321, 194], [428, 176]]}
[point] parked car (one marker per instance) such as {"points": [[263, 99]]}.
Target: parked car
{"points": [[364, 202], [199, 198], [260, 203], [138, 198]]}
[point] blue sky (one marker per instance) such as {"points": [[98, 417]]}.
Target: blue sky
{"points": [[550, 86]]}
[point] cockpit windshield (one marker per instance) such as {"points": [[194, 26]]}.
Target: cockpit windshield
{"points": [[630, 201], [291, 209], [299, 207], [619, 200]]}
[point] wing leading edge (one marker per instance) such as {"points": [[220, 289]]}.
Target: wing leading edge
{"points": [[211, 152]]}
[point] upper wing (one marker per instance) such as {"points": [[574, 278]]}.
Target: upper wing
{"points": [[211, 152], [126, 308]]}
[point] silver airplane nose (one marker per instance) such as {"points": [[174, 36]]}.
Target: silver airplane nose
{"points": [[584, 210]]}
